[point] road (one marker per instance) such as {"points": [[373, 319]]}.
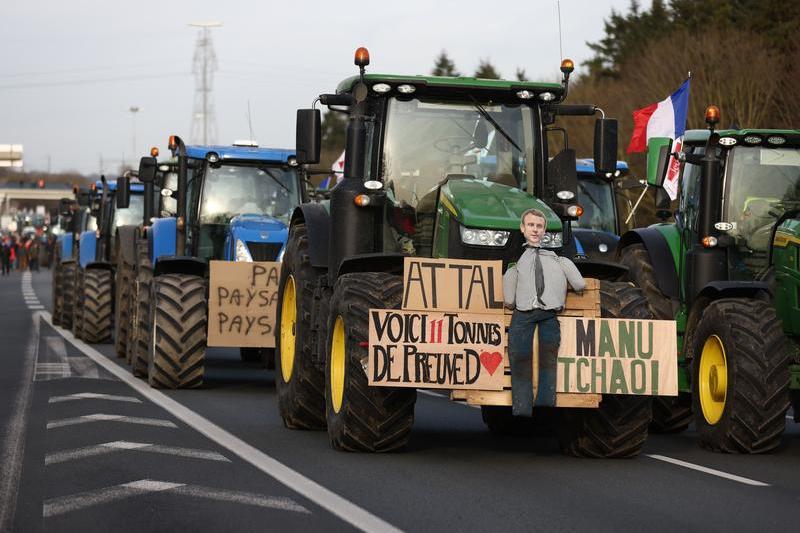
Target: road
{"points": [[87, 447]]}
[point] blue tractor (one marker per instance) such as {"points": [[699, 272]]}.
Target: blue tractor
{"points": [[598, 228], [74, 218], [233, 203], [94, 281]]}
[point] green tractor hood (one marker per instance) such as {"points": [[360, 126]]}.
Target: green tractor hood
{"points": [[485, 204]]}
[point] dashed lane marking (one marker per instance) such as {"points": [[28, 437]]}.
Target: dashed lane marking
{"points": [[101, 417], [93, 396], [82, 500], [119, 446], [327, 499], [706, 470]]}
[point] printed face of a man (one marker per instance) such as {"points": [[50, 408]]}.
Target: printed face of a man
{"points": [[532, 229]]}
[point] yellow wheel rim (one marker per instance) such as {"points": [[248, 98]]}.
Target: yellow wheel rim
{"points": [[338, 359], [713, 377], [288, 328]]}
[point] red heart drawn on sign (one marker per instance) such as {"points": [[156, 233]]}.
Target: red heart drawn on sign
{"points": [[490, 361]]}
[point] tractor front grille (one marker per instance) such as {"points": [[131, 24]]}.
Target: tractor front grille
{"points": [[264, 251]]}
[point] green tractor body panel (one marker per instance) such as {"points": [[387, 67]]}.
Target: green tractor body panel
{"points": [[785, 256], [484, 204], [673, 238]]}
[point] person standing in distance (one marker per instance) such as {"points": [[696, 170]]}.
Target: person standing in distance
{"points": [[536, 288]]}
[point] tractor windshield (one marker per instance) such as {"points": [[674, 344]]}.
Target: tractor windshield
{"points": [[231, 190], [132, 215], [427, 141], [762, 184], [597, 199]]}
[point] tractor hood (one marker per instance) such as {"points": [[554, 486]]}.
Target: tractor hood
{"points": [[258, 228], [485, 204]]}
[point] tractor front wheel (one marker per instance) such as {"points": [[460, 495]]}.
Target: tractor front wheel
{"points": [[740, 371], [178, 338], [67, 293], [362, 418], [98, 289]]}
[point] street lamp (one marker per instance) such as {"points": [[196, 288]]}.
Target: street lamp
{"points": [[134, 109]]}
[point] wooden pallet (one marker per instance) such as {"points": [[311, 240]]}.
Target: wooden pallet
{"points": [[586, 304]]}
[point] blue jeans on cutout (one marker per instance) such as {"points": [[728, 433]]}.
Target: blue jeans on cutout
{"points": [[520, 348]]}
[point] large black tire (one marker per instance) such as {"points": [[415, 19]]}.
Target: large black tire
{"points": [[299, 374], [67, 293], [123, 306], [618, 428], [178, 348], [78, 305], [139, 338], [671, 414], [751, 408], [98, 300], [366, 419], [55, 317]]}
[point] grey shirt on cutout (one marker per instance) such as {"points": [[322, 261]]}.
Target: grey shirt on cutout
{"points": [[519, 285]]}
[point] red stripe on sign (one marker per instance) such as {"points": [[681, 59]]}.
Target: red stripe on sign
{"points": [[363, 344], [639, 137]]}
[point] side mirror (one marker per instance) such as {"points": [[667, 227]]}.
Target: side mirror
{"points": [[94, 209], [658, 155], [562, 172], [605, 145], [123, 192], [308, 136], [147, 169]]}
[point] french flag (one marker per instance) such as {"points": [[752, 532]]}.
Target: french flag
{"points": [[667, 118]]}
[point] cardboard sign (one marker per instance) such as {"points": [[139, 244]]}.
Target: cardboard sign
{"points": [[617, 356], [452, 285], [436, 350], [243, 301]]}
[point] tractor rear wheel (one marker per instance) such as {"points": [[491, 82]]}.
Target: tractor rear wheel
{"points": [[122, 308], [78, 305], [140, 330], [98, 289], [178, 345], [740, 370], [67, 293], [362, 418], [299, 376], [618, 428], [55, 318], [671, 414]]}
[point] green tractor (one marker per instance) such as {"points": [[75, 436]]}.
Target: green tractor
{"points": [[727, 271], [435, 167]]}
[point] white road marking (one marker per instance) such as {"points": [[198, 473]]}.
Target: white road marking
{"points": [[93, 396], [346, 510], [13, 449], [82, 500], [46, 371], [706, 470], [100, 417], [36, 307], [438, 395], [117, 446]]}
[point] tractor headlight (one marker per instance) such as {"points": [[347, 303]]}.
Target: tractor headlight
{"points": [[484, 237], [242, 253], [551, 239]]}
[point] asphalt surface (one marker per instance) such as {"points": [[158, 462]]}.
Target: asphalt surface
{"points": [[85, 447]]}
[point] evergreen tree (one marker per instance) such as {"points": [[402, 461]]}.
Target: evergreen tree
{"points": [[444, 66], [486, 71]]}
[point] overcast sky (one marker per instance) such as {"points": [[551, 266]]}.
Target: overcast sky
{"points": [[72, 69]]}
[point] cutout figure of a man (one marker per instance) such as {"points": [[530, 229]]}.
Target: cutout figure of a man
{"points": [[536, 288]]}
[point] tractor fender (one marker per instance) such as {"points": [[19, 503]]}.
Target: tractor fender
{"points": [[735, 289], [180, 265], [126, 239], [660, 257], [318, 223], [161, 239], [99, 265], [87, 248], [376, 262]]}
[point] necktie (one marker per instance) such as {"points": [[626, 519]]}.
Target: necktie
{"points": [[538, 273]]}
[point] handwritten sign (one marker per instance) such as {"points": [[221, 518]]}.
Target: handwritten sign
{"points": [[436, 350], [617, 356], [453, 285], [242, 305]]}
